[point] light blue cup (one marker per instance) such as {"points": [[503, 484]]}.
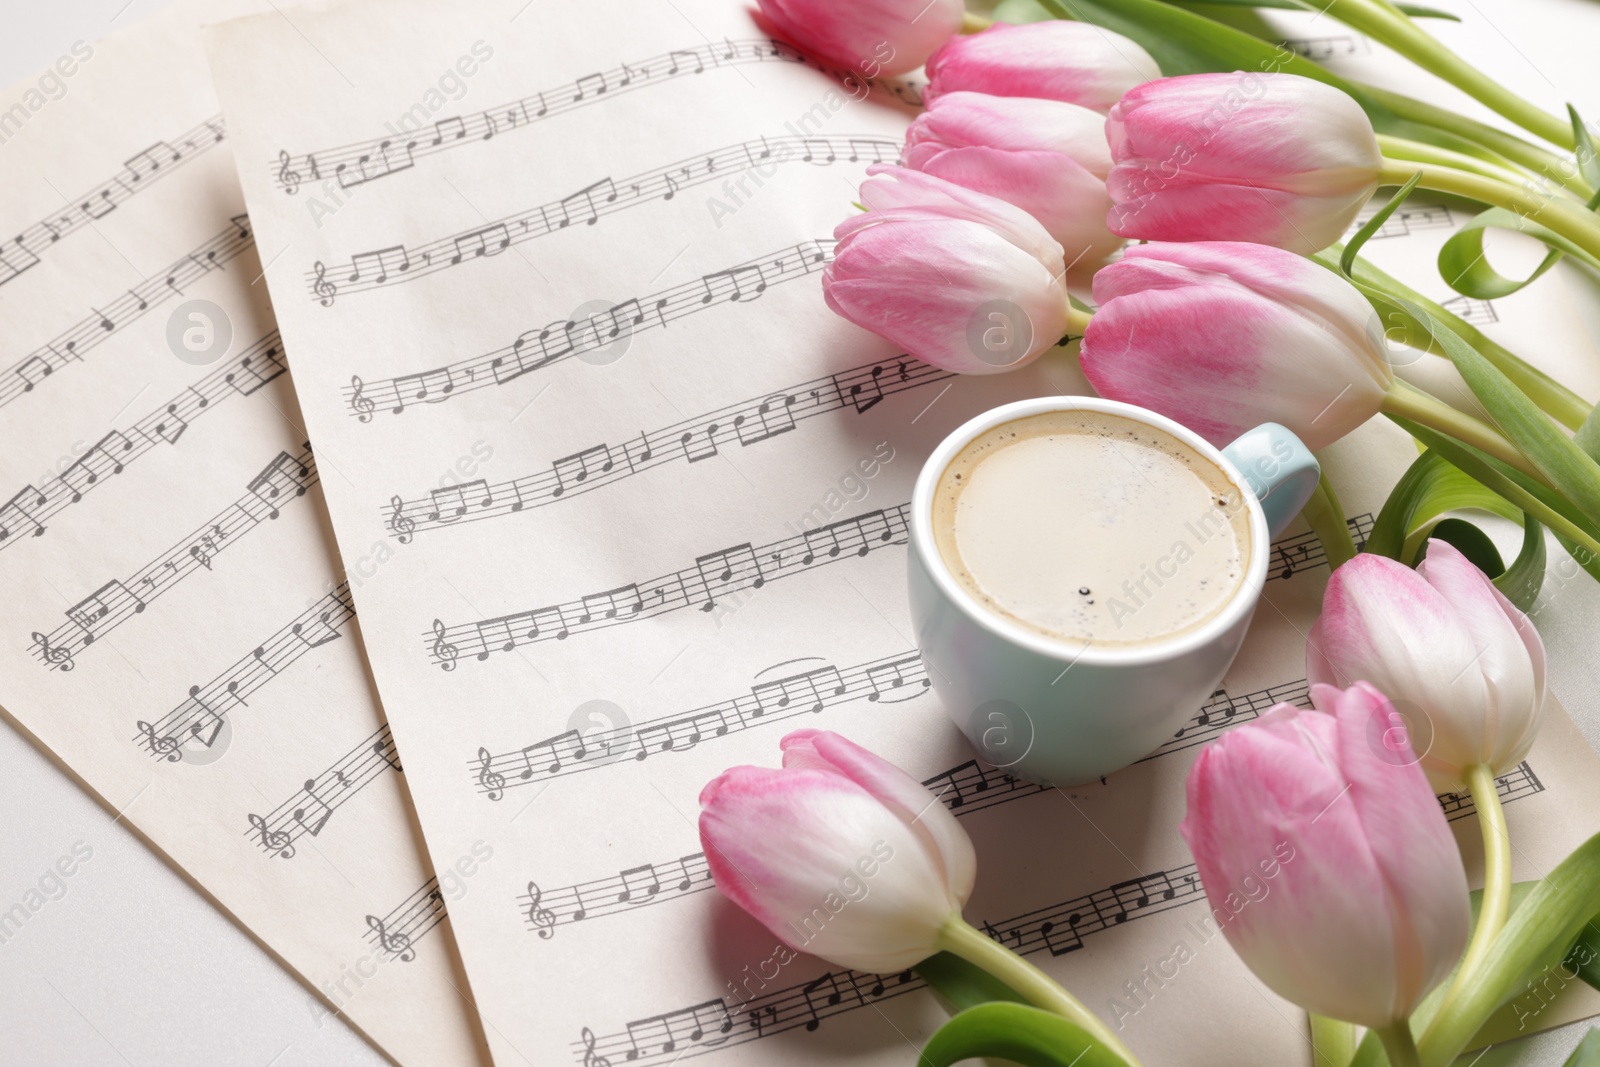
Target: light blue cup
{"points": [[1063, 712]]}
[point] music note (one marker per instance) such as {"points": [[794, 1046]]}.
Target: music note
{"points": [[639, 881], [378, 262], [288, 177], [363, 406], [491, 781], [576, 468], [544, 924], [402, 525], [772, 417], [385, 750], [397, 943], [323, 289], [452, 502], [485, 242], [300, 813], [591, 1058], [443, 650], [272, 840], [812, 688], [729, 569], [283, 473], [17, 507]]}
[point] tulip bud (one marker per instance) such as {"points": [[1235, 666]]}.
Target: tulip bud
{"points": [[1446, 647], [957, 278], [840, 854], [1279, 160], [1055, 60], [1223, 336], [1046, 157], [1331, 870], [871, 37]]}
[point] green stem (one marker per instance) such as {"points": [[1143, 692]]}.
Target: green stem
{"points": [[1571, 220], [1562, 170], [1033, 984], [1409, 402], [1555, 399], [1396, 30], [1333, 1041], [971, 23], [1077, 321], [1400, 1045], [1496, 903], [1325, 516], [1419, 152]]}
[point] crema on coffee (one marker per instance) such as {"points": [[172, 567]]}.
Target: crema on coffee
{"points": [[1090, 527]]}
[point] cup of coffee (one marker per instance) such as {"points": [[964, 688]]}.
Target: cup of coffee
{"points": [[1082, 573]]}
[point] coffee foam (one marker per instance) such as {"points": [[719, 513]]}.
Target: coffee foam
{"points": [[1092, 528]]}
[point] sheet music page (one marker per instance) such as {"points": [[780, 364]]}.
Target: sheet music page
{"points": [[177, 627], [628, 503]]}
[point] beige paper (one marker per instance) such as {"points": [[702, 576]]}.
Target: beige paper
{"points": [[177, 630], [639, 501]]}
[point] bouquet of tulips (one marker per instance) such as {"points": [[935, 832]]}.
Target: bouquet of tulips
{"points": [[1043, 148]]}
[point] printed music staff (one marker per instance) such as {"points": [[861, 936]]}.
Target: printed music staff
{"points": [[715, 574], [140, 172], [398, 932], [538, 348], [386, 267], [110, 318], [116, 602]]}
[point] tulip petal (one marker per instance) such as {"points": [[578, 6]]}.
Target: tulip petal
{"points": [[870, 37], [1509, 654], [889, 187], [902, 794], [1058, 60], [793, 849], [1425, 883]]}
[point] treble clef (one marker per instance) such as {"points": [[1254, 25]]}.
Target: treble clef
{"points": [[397, 943], [591, 1058], [402, 524], [323, 288], [272, 839], [55, 657], [443, 650], [165, 747], [543, 919], [288, 177], [363, 406], [490, 780]]}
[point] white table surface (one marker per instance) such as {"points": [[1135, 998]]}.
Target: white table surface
{"points": [[132, 965]]}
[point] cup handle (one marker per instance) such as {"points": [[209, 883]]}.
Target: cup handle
{"points": [[1278, 468]]}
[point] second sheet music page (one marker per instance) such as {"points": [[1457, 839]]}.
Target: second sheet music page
{"points": [[621, 503]]}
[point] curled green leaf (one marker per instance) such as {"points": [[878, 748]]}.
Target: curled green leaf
{"points": [[1015, 1032]]}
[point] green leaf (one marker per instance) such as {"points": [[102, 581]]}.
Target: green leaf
{"points": [[1588, 161], [1353, 246], [1472, 542], [1588, 435], [1464, 263], [1571, 470], [1587, 1054], [1535, 937], [1584, 959], [1015, 1032], [1431, 487], [964, 985], [1572, 529], [1416, 11]]}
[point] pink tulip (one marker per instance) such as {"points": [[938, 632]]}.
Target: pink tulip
{"points": [[955, 277], [1279, 160], [1055, 60], [1330, 868], [870, 37], [1224, 336], [1046, 157], [1447, 647], [840, 853]]}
